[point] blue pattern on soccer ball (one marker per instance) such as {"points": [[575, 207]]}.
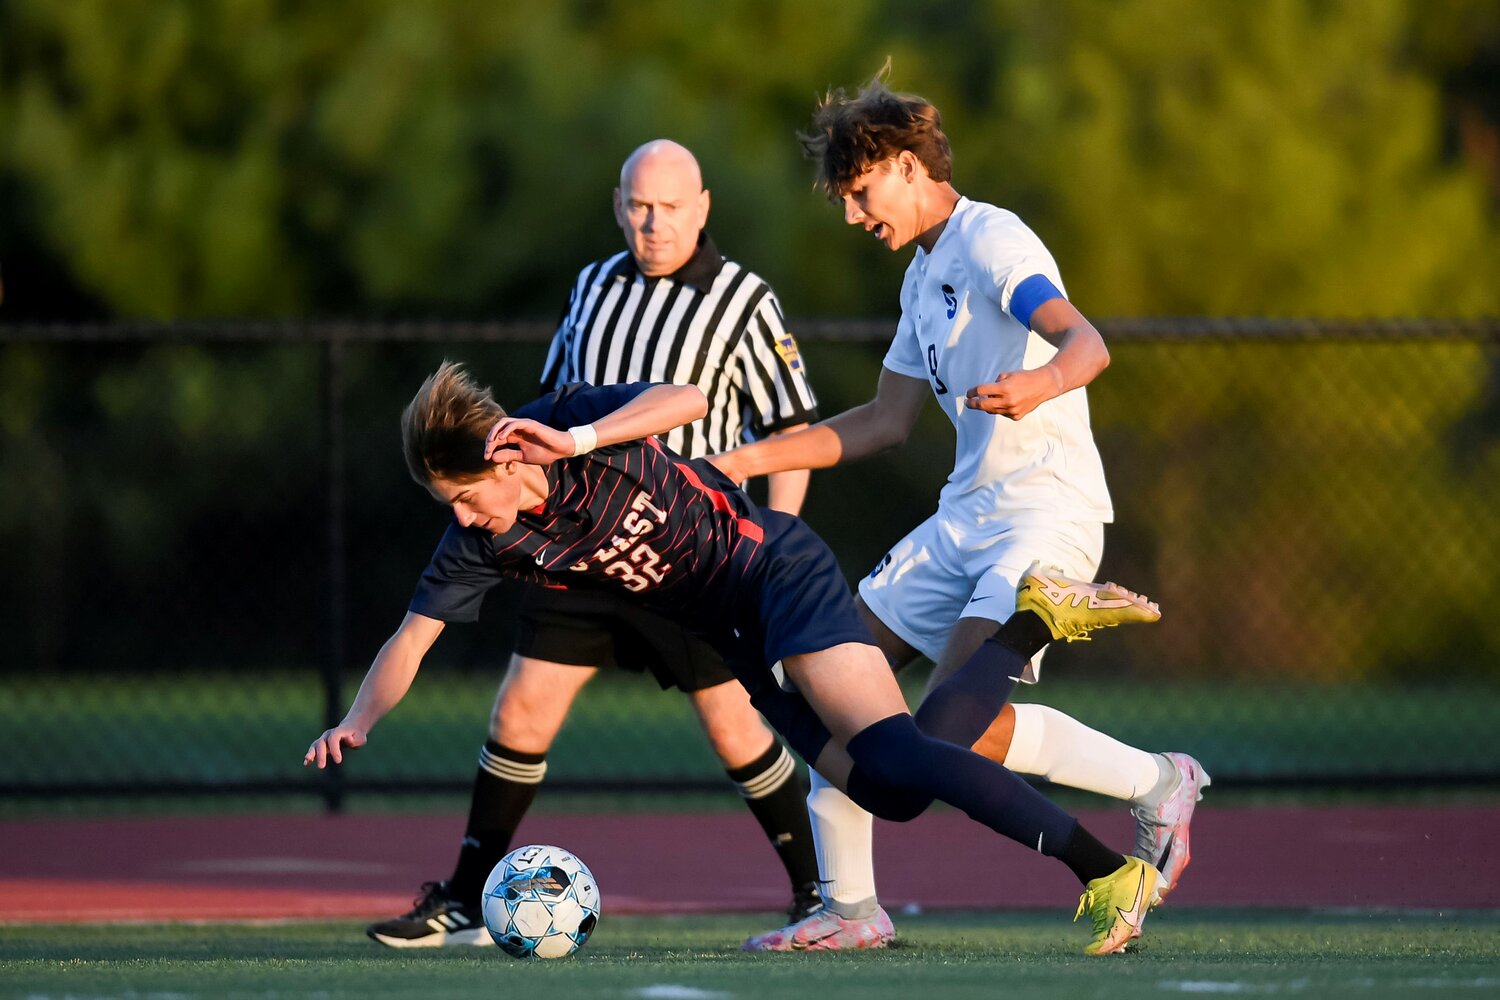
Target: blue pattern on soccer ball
{"points": [[540, 902]]}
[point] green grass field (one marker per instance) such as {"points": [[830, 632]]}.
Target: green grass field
{"points": [[1024, 955]]}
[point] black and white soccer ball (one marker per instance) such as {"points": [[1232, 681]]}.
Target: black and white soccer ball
{"points": [[540, 902]]}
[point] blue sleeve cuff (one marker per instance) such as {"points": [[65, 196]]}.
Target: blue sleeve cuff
{"points": [[580, 403], [1030, 295]]}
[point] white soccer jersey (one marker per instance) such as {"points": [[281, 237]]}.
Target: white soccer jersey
{"points": [[957, 331]]}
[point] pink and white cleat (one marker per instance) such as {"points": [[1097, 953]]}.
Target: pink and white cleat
{"points": [[825, 930], [1161, 833]]}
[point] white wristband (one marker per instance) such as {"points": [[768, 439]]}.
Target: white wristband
{"points": [[585, 439]]}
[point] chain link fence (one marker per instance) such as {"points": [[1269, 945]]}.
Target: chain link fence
{"points": [[207, 532]]}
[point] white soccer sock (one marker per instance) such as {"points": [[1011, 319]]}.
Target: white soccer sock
{"points": [[843, 836], [1165, 784], [1066, 752]]}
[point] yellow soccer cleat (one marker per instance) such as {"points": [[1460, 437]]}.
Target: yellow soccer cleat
{"points": [[1117, 904], [1074, 608]]}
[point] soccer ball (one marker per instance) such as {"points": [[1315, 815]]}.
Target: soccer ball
{"points": [[540, 902]]}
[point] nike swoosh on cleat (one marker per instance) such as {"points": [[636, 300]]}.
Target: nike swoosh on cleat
{"points": [[1132, 917], [1166, 851], [809, 943]]}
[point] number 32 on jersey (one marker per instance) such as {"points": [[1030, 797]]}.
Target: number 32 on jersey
{"points": [[635, 562]]}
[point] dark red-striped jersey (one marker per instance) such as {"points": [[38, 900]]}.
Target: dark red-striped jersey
{"points": [[635, 517]]}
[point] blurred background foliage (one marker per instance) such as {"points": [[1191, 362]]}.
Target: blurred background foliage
{"points": [[165, 500], [378, 158]]}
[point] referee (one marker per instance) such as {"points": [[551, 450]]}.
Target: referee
{"points": [[669, 308]]}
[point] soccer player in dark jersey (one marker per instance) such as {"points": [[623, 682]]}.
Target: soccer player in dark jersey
{"points": [[572, 490], [667, 308]]}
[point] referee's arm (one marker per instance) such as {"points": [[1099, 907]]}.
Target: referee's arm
{"points": [[785, 491]]}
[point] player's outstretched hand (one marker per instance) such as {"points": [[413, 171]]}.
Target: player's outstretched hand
{"points": [[330, 746], [514, 439], [1013, 394]]}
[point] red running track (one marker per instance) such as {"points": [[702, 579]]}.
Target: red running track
{"points": [[278, 867]]}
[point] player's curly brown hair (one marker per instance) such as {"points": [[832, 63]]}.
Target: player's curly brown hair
{"points": [[444, 426], [851, 134]]}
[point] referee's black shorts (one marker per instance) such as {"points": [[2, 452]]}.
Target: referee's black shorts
{"points": [[592, 628]]}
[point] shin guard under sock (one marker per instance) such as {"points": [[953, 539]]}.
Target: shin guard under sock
{"points": [[894, 752], [504, 787], [961, 709], [777, 796]]}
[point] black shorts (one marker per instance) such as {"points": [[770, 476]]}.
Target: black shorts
{"points": [[591, 628]]}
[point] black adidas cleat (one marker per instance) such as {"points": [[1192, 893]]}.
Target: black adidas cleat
{"points": [[435, 921], [805, 901]]}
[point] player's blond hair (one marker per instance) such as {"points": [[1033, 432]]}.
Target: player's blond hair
{"points": [[444, 426], [849, 135]]}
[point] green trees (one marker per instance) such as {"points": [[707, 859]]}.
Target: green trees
{"points": [[1277, 158], [254, 158], [164, 505]]}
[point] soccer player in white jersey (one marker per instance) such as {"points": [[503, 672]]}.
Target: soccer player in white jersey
{"points": [[986, 328]]}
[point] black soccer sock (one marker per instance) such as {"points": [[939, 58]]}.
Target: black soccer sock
{"points": [[961, 708], [776, 793], [1088, 858], [894, 754], [1025, 633], [504, 787]]}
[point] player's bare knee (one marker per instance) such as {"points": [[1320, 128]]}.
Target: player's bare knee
{"points": [[533, 701], [524, 724], [516, 730], [737, 739], [733, 727]]}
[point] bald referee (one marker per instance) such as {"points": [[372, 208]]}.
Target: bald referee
{"points": [[669, 308]]}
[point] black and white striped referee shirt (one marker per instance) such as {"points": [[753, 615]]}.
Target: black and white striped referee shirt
{"points": [[711, 323]]}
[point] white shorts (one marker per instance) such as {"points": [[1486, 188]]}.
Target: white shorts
{"points": [[946, 570]]}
